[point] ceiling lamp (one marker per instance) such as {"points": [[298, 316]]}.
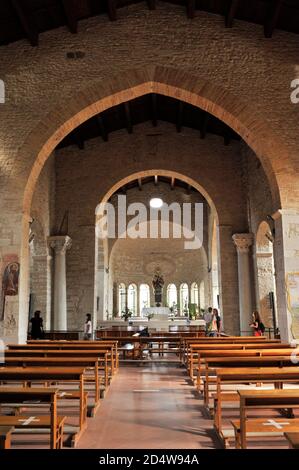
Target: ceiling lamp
{"points": [[156, 203]]}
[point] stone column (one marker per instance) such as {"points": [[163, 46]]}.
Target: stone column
{"points": [[178, 291], [138, 312], [115, 308], [228, 281], [243, 242], [286, 259], [189, 296], [60, 244]]}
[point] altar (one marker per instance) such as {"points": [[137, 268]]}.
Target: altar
{"points": [[156, 313]]}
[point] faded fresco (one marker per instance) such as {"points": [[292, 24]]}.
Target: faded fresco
{"points": [[10, 270], [292, 286]]}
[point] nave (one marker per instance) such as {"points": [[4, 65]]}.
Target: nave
{"points": [[150, 406], [231, 392]]}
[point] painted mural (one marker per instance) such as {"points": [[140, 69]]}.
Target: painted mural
{"points": [[292, 285], [10, 271]]}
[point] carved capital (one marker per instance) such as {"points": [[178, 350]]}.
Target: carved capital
{"points": [[60, 244], [243, 241]]}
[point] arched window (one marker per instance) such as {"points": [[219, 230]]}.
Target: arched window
{"points": [[121, 299], [144, 297], [202, 295], [172, 297], [194, 294], [184, 299], [132, 298]]}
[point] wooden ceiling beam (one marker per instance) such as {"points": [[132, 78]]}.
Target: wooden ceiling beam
{"points": [[232, 11], [151, 4], [190, 8], [204, 125], [154, 109], [27, 22], [273, 16], [102, 128], [111, 5], [179, 121], [69, 7], [128, 118]]}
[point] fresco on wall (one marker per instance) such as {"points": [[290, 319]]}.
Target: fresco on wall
{"points": [[292, 285], [10, 280]]}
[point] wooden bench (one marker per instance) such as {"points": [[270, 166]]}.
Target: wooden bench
{"points": [[111, 345], [245, 376], [213, 363], [92, 363], [5, 436], [203, 355], [48, 375], [195, 350], [293, 439], [186, 343], [46, 396], [69, 346], [257, 427], [102, 356]]}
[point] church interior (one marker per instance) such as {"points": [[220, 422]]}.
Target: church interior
{"points": [[149, 224]]}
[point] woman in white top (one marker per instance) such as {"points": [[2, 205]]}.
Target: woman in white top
{"points": [[88, 327]]}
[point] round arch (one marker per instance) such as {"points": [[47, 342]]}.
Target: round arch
{"points": [[162, 80], [160, 172], [167, 81]]}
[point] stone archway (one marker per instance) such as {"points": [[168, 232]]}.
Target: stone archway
{"points": [[101, 247], [161, 80], [158, 79]]}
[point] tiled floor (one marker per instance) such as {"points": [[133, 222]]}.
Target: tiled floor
{"points": [[152, 406]]}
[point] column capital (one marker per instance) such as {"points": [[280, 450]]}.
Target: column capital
{"points": [[243, 241], [60, 243]]}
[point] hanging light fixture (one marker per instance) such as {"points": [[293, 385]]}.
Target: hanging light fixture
{"points": [[156, 203]]}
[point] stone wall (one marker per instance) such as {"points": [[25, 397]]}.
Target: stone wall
{"points": [[248, 75], [85, 176], [41, 227]]}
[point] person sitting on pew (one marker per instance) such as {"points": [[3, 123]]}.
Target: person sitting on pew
{"points": [[37, 330]]}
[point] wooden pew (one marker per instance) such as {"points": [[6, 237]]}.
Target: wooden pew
{"points": [[5, 436], [196, 350], [232, 353], [113, 344], [264, 399], [257, 361], [110, 348], [103, 356], [47, 375], [242, 375], [224, 342], [91, 362], [46, 396], [293, 439], [160, 341]]}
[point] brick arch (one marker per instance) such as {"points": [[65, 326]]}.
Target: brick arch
{"points": [[161, 172], [161, 80]]}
